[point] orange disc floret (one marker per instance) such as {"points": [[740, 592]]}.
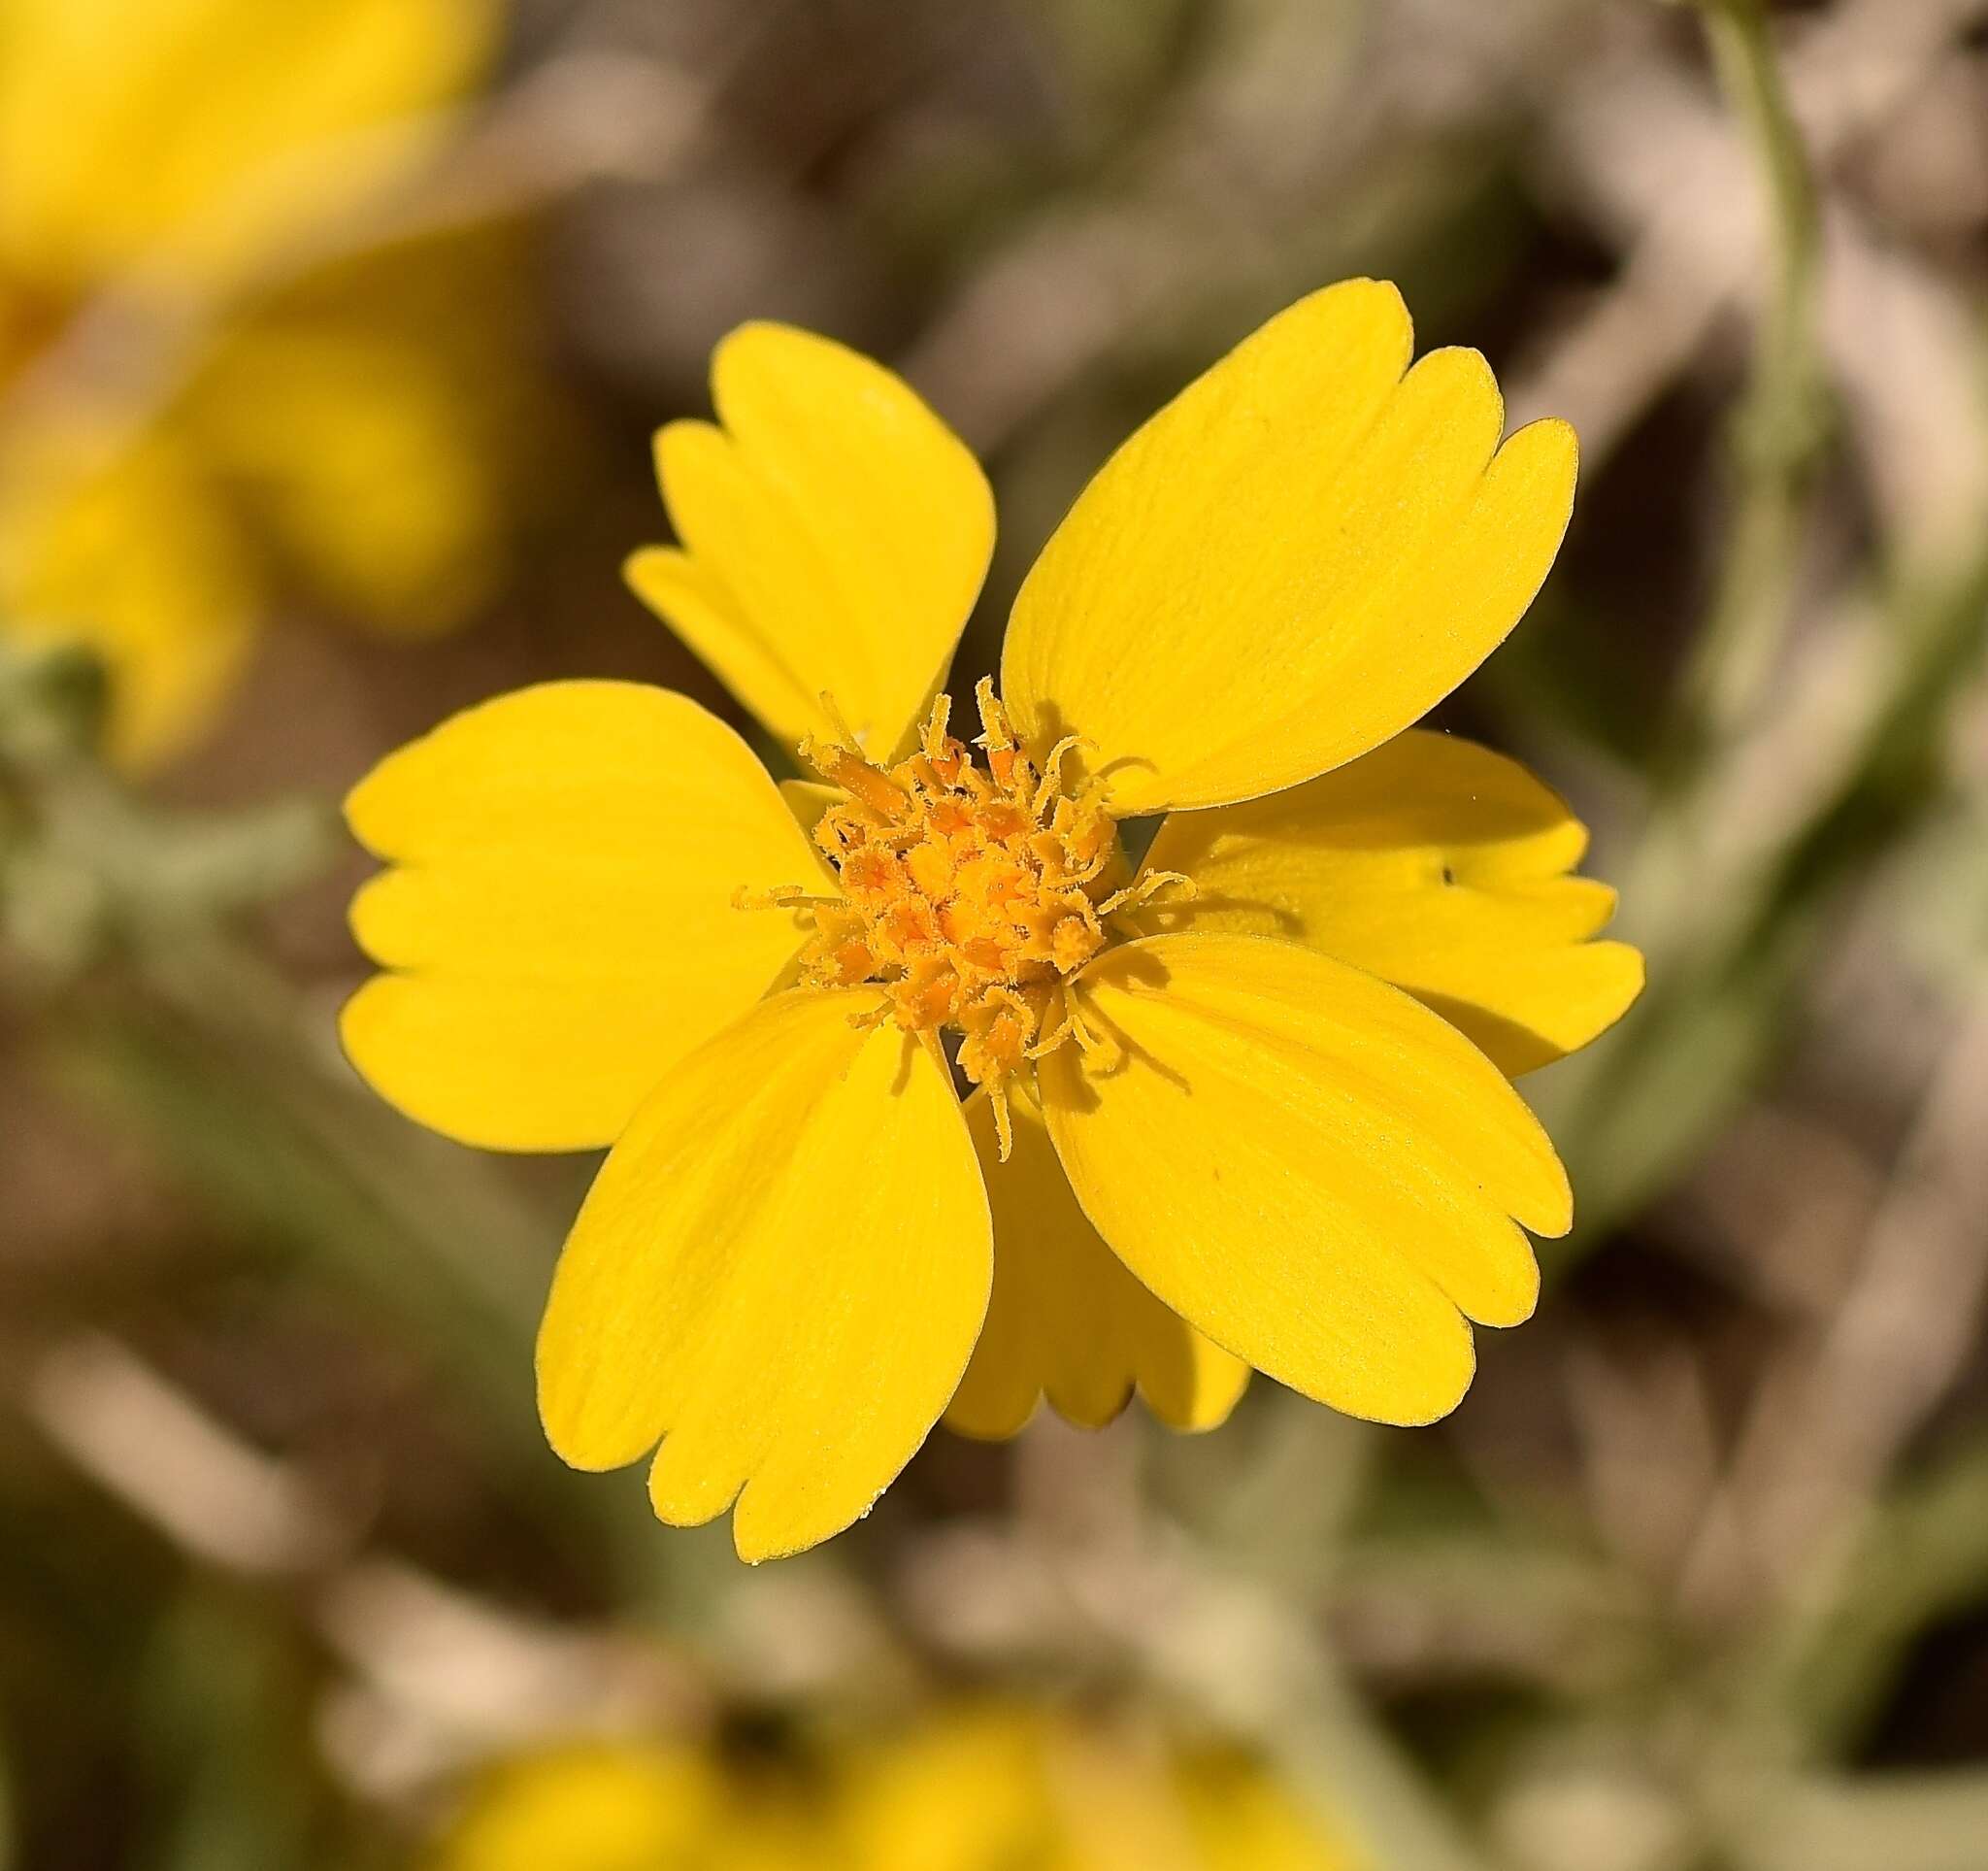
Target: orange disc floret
{"points": [[970, 891]]}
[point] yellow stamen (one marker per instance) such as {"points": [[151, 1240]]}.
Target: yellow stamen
{"points": [[782, 896], [994, 731], [1004, 1124], [1052, 787], [972, 893], [841, 767], [838, 721], [1059, 1035], [932, 737], [1146, 889], [1101, 1049]]}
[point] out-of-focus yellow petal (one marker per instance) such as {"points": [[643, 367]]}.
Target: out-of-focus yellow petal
{"points": [[1435, 864], [780, 1270], [1304, 1163], [1243, 1818], [1118, 1805], [834, 532], [1066, 1320], [381, 422], [363, 463], [590, 1808], [561, 918], [967, 1789], [129, 551], [205, 128], [1294, 559]]}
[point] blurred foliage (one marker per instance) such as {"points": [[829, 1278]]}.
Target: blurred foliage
{"points": [[365, 316]]}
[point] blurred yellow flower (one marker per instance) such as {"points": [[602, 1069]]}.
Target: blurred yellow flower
{"points": [[162, 163], [995, 1789], [1241, 1109], [599, 1807]]}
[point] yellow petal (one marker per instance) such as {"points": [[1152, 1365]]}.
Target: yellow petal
{"points": [[1294, 559], [588, 1807], [780, 1271], [207, 127], [562, 921], [808, 799], [834, 532], [1305, 1163], [1244, 1819], [1438, 865], [130, 551], [964, 1790], [1066, 1320]]}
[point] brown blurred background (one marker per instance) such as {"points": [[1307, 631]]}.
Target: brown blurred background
{"points": [[1698, 1575]]}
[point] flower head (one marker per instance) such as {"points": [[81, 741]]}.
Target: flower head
{"points": [[1246, 1107], [970, 894]]}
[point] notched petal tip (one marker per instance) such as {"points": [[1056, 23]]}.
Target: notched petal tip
{"points": [[1372, 307], [1434, 863], [1635, 967], [1462, 388], [559, 909], [1547, 452], [1295, 559], [563, 1417], [1615, 976], [1548, 1210], [760, 346], [365, 807], [1512, 1299], [1421, 1406], [777, 1279], [765, 1526], [836, 533], [645, 564], [987, 1422], [369, 918], [1345, 1174], [1555, 439]]}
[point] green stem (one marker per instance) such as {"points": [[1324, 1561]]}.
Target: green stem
{"points": [[1778, 428], [1725, 953]]}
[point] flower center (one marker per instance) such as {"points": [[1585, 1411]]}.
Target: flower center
{"points": [[971, 893]]}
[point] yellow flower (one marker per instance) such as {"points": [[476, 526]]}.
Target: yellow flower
{"points": [[998, 1789], [1210, 1130], [590, 1807], [161, 163]]}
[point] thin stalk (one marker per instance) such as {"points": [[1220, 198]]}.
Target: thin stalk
{"points": [[1725, 952], [1778, 427]]}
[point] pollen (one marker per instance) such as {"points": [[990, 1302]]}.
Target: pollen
{"points": [[971, 889]]}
